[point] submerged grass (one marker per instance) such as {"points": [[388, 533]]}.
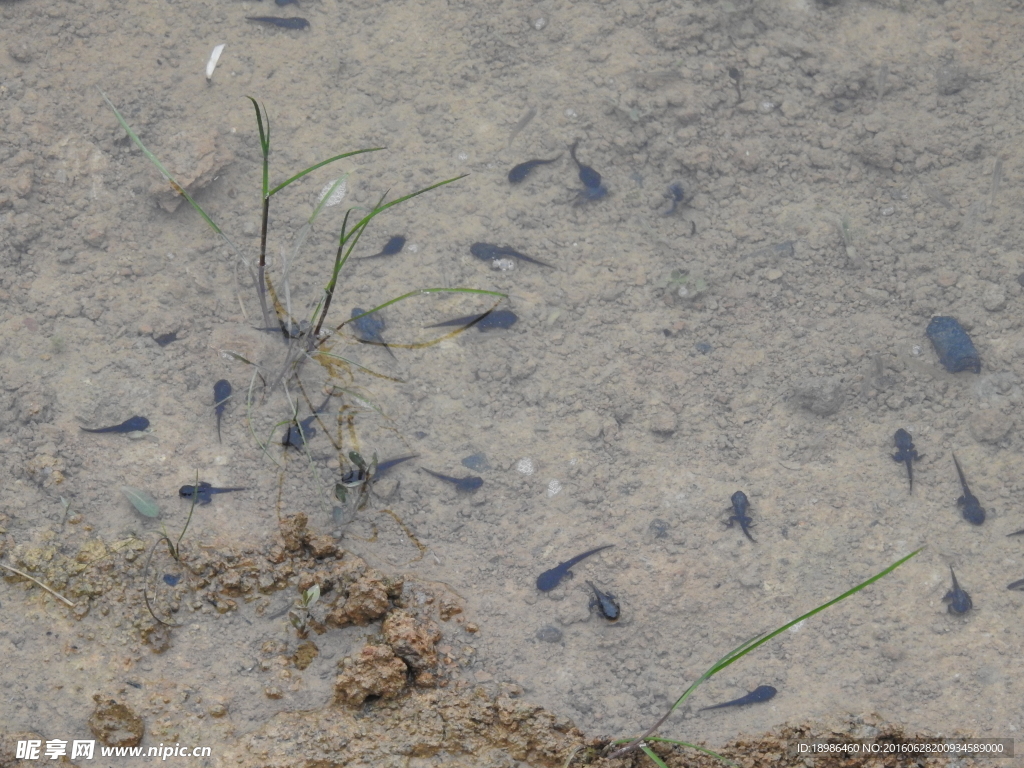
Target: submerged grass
{"points": [[310, 337], [733, 656], [173, 549], [38, 583]]}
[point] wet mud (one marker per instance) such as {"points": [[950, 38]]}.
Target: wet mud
{"points": [[787, 195]]}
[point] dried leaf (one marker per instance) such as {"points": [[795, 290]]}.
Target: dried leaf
{"points": [[142, 501]]}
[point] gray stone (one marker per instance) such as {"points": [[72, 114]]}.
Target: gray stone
{"points": [[819, 395], [990, 425], [664, 422], [994, 298], [549, 634]]}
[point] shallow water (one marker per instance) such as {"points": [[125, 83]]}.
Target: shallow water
{"points": [[867, 135]]}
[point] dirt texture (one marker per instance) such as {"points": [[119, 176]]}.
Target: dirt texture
{"points": [[791, 191]]}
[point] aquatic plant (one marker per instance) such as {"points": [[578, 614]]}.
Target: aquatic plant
{"points": [[173, 548], [311, 337], [730, 658]]}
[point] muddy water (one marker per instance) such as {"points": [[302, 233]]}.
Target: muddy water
{"points": [[855, 174]]}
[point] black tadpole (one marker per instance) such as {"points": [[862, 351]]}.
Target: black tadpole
{"points": [[553, 576], [203, 492], [462, 484], [499, 318], [959, 601], [521, 171], [759, 694], [593, 189], [369, 328], [134, 424], [292, 22], [391, 247]]}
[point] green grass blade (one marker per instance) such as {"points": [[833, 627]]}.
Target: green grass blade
{"points": [[264, 143], [651, 754], [339, 262], [382, 206], [746, 647], [163, 171], [420, 291], [353, 236], [176, 549], [350, 238], [321, 164], [706, 751], [410, 196]]}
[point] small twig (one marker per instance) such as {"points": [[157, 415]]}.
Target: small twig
{"points": [[262, 269], [145, 577], [39, 583], [572, 756]]}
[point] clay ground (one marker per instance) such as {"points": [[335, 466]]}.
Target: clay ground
{"points": [[848, 170]]}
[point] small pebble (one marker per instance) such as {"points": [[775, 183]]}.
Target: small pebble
{"points": [[951, 78], [549, 634], [822, 396], [476, 462], [525, 466], [990, 425], [994, 298], [664, 422]]}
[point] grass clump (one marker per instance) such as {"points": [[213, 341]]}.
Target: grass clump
{"points": [[311, 334]]}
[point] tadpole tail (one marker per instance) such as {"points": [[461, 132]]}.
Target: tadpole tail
{"points": [[963, 480]]}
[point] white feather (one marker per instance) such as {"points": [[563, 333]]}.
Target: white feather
{"points": [[214, 58]]}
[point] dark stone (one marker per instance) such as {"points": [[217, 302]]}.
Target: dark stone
{"points": [[954, 347], [658, 529], [476, 462]]}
